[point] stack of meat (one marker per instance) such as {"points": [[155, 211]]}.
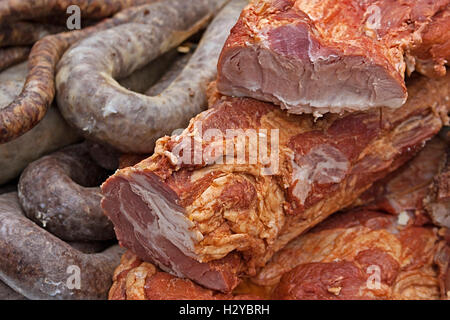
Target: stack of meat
{"points": [[310, 116]]}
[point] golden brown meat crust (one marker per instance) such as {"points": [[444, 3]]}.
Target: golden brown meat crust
{"points": [[207, 209], [437, 203], [138, 280], [35, 262], [333, 55], [360, 254]]}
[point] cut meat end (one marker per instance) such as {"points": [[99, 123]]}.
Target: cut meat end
{"points": [[407, 188], [442, 259], [197, 209], [307, 85], [141, 229], [330, 56]]}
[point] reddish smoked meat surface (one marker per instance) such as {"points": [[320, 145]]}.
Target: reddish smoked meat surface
{"points": [[138, 280], [212, 222], [318, 56], [360, 254]]}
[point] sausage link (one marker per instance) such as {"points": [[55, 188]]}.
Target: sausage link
{"points": [[172, 73], [11, 56], [14, 10], [38, 265], [31, 105], [49, 135], [129, 121], [25, 33], [59, 192], [6, 293]]}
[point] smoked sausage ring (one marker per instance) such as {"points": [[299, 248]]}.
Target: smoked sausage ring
{"points": [[51, 134], [126, 120], [38, 265], [59, 192], [31, 105]]}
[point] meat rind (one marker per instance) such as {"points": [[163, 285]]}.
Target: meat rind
{"points": [[14, 10], [25, 33], [60, 193]]}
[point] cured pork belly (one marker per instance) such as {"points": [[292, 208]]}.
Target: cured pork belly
{"points": [[318, 56], [197, 218], [389, 238]]}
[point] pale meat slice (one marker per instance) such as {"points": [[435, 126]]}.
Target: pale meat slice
{"points": [[318, 56], [210, 221]]}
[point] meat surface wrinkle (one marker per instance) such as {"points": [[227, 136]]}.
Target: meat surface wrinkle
{"points": [[333, 55]]}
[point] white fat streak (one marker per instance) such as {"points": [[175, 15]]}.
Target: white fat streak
{"points": [[330, 163], [171, 224], [306, 175], [403, 218], [150, 232], [300, 176]]}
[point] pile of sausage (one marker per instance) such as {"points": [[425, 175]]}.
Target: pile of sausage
{"points": [[76, 105], [58, 146]]}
